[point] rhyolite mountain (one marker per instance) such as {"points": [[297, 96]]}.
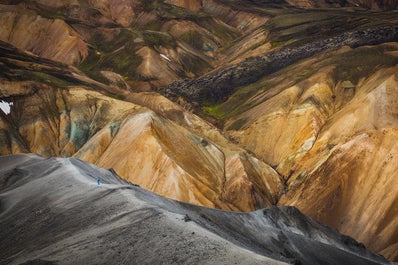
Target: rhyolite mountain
{"points": [[235, 105], [55, 213]]}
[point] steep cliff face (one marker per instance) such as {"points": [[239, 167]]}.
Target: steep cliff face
{"points": [[354, 189]]}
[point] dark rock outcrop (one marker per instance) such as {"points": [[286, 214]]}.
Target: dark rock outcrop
{"points": [[216, 87]]}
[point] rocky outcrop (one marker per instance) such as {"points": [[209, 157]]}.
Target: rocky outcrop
{"points": [[353, 189]]}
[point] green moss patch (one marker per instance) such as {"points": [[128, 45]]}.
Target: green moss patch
{"points": [[215, 111], [193, 38], [118, 55], [155, 39]]}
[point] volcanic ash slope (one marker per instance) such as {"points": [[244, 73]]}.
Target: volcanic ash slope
{"points": [[52, 211]]}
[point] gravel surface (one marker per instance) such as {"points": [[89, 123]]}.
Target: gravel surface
{"points": [[52, 211]]}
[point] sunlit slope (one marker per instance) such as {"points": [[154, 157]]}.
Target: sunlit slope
{"points": [[328, 125], [146, 138]]}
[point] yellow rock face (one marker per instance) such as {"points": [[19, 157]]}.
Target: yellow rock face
{"points": [[348, 180], [288, 123], [335, 144], [169, 160], [176, 155], [355, 189]]}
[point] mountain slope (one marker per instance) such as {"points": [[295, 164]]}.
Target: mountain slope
{"points": [[333, 127], [147, 139], [297, 99], [54, 207]]}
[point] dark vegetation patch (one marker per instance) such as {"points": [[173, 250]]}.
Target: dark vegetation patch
{"points": [[300, 28], [193, 64], [238, 124], [116, 55], [154, 39], [193, 38]]}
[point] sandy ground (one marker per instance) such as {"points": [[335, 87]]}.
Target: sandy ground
{"points": [[52, 211]]}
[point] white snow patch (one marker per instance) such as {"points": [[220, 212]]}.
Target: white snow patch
{"points": [[302, 109], [165, 57], [307, 145], [187, 120], [6, 106]]}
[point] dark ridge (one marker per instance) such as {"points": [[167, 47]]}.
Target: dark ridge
{"points": [[54, 212], [217, 87]]}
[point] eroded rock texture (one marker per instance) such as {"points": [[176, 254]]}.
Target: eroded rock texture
{"points": [[145, 148], [267, 104]]}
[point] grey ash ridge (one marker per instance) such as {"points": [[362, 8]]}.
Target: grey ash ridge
{"points": [[216, 87], [53, 212]]}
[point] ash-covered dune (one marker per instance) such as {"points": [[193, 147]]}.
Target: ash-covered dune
{"points": [[52, 211]]}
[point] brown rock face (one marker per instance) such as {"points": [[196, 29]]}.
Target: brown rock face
{"points": [[120, 11], [48, 38], [194, 5], [156, 66]]}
